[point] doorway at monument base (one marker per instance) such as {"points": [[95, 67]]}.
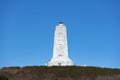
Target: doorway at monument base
{"points": [[60, 62]]}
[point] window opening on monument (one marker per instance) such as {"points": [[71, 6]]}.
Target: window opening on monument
{"points": [[59, 44], [60, 33], [59, 55]]}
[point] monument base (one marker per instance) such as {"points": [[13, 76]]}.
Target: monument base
{"points": [[61, 62]]}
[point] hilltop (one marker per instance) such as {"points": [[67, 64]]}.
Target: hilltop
{"points": [[60, 73]]}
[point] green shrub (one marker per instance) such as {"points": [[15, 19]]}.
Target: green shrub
{"points": [[2, 77]]}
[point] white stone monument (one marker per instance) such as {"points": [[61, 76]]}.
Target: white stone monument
{"points": [[60, 49]]}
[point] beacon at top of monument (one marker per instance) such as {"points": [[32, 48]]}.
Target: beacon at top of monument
{"points": [[60, 49], [61, 24]]}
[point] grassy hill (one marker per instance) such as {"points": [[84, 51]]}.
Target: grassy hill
{"points": [[60, 73]]}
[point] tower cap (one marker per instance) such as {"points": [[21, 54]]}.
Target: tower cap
{"points": [[60, 22]]}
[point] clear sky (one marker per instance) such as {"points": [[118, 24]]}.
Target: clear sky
{"points": [[27, 31]]}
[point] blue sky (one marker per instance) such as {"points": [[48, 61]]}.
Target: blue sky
{"points": [[27, 31]]}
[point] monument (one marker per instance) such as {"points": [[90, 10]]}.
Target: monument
{"points": [[60, 49]]}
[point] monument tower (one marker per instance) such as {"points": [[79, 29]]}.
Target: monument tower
{"points": [[60, 49]]}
